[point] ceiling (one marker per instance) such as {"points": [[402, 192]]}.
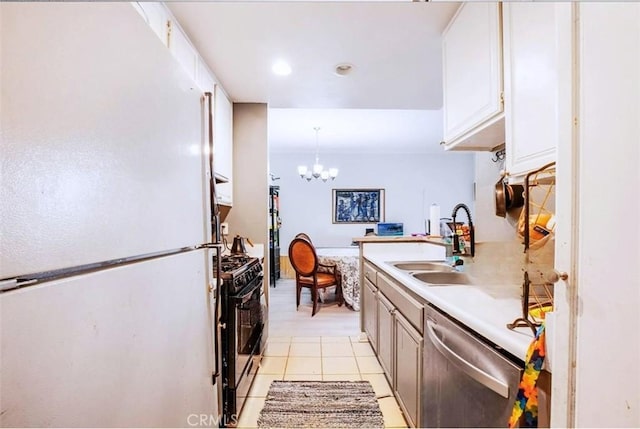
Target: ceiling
{"points": [[390, 101]]}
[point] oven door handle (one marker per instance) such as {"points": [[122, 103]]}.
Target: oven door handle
{"points": [[248, 291]]}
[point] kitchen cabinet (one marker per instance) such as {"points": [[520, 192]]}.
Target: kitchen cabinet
{"points": [[223, 146], [537, 65], [182, 49], [393, 319], [157, 16], [204, 79], [473, 110], [386, 337], [408, 377], [167, 28], [370, 313]]}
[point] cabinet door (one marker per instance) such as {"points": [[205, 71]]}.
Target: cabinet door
{"points": [[408, 373], [537, 66], [182, 50], [386, 311], [157, 17], [204, 79], [472, 78], [223, 144], [370, 313]]}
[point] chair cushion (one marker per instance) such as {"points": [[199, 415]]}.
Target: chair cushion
{"points": [[324, 280]]}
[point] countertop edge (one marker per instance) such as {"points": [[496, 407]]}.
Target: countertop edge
{"points": [[401, 239], [469, 305]]}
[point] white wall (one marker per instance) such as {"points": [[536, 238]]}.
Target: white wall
{"points": [[248, 217], [411, 183], [488, 226]]}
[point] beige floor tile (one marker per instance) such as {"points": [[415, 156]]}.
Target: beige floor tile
{"points": [[341, 377], [391, 413], [303, 377], [304, 365], [279, 339], [305, 339], [305, 349], [261, 384], [330, 339], [337, 349], [362, 349], [369, 365], [380, 385], [273, 365], [339, 365], [250, 412], [277, 349]]}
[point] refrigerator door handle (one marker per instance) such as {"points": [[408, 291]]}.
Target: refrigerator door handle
{"points": [[7, 285]]}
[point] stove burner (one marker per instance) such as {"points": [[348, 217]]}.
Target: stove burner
{"points": [[231, 263]]}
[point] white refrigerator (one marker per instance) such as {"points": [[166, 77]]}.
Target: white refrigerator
{"points": [[106, 308]]}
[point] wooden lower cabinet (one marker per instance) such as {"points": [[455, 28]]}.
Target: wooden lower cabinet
{"points": [[386, 336], [391, 318], [408, 362], [370, 313]]}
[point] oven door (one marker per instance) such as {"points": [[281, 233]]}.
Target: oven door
{"points": [[249, 324]]}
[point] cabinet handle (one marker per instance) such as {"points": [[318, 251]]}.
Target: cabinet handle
{"points": [[442, 143], [474, 372]]}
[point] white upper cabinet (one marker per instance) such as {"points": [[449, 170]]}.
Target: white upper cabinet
{"points": [[537, 66], [223, 146], [157, 16], [182, 49], [204, 79], [472, 78]]}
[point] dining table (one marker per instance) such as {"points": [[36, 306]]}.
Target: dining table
{"points": [[347, 260]]}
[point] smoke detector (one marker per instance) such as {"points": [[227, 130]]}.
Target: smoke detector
{"points": [[343, 69]]}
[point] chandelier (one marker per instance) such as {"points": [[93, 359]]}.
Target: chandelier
{"points": [[317, 171]]}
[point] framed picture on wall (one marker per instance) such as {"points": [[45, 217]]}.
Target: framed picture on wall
{"points": [[358, 205]]}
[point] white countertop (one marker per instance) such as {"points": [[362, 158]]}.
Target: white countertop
{"points": [[486, 309], [338, 251]]}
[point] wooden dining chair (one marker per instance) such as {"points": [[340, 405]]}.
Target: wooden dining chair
{"points": [[303, 235], [304, 261]]}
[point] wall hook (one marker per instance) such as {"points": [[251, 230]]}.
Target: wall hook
{"points": [[499, 155]]}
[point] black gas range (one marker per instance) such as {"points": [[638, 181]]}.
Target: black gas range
{"points": [[238, 271], [242, 325]]}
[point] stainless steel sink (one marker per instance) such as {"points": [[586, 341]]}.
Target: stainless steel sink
{"points": [[443, 278], [422, 266]]}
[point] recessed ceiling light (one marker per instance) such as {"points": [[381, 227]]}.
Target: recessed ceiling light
{"points": [[281, 68], [343, 69]]}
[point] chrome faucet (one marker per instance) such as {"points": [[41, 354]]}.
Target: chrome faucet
{"points": [[456, 239]]}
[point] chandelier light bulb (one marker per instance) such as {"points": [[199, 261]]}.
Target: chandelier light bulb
{"points": [[317, 170]]}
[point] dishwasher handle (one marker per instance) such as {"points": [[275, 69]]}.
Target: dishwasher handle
{"points": [[472, 371]]}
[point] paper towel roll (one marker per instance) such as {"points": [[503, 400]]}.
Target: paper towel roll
{"points": [[434, 220]]}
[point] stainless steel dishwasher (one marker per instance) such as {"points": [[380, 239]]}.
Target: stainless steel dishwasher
{"points": [[466, 382]]}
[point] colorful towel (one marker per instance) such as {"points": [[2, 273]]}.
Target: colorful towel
{"points": [[527, 399]]}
